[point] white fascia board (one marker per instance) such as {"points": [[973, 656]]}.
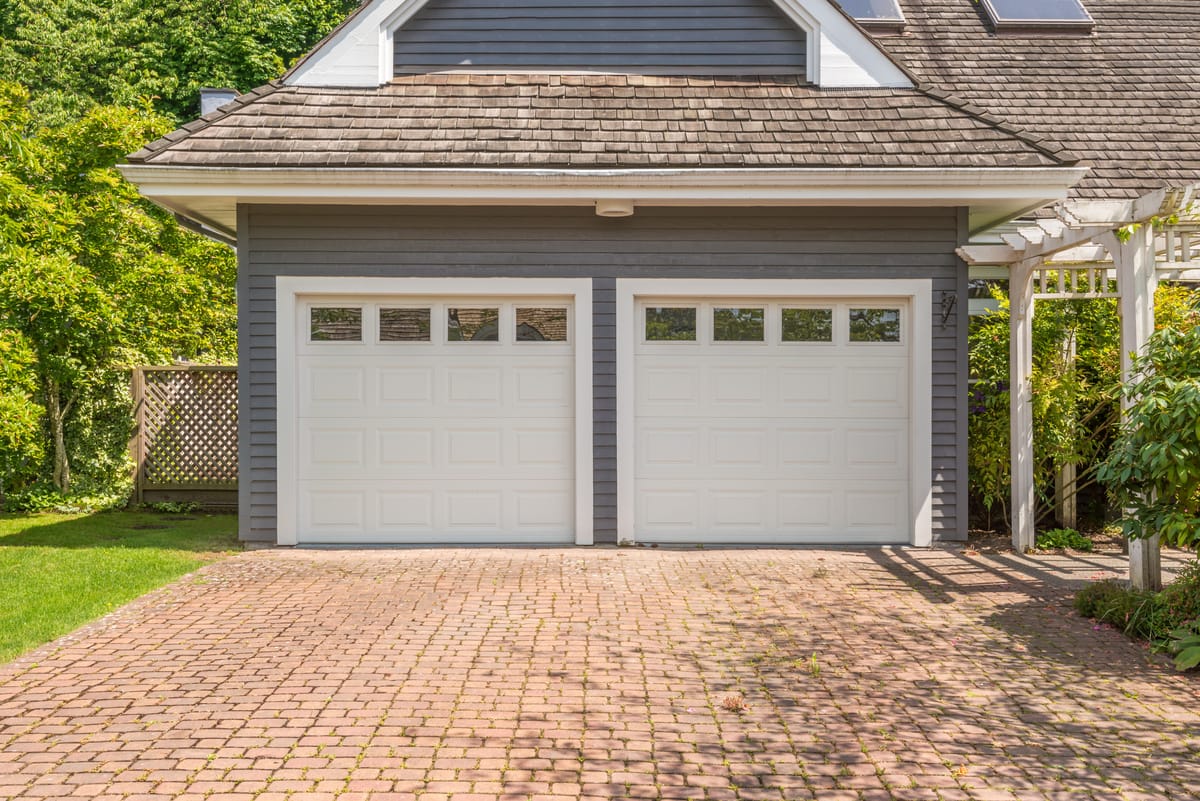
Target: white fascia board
{"points": [[211, 194], [916, 186], [840, 54]]}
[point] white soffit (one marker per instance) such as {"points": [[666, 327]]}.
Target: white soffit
{"points": [[841, 54], [211, 194]]}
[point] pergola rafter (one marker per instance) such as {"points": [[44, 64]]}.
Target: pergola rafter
{"points": [[1080, 254]]}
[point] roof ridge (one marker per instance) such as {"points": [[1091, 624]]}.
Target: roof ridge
{"points": [[151, 149], [1053, 150]]}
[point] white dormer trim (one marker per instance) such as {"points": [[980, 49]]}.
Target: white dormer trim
{"points": [[840, 54]]}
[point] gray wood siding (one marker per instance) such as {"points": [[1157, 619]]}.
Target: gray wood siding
{"points": [[654, 243], [705, 36]]}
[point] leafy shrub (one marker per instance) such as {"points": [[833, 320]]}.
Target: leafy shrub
{"points": [[44, 498], [1181, 598], [1138, 613], [174, 507], [1153, 469], [1090, 600], [1185, 645], [1153, 616], [1063, 538]]}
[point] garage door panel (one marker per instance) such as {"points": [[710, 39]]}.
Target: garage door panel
{"points": [[808, 389], [666, 387], [809, 446], [332, 511], [473, 387], [740, 512], [472, 509], [740, 447], [768, 449], [542, 387], [772, 441], [771, 511], [877, 390], [428, 511], [663, 444], [333, 389], [540, 446], [407, 448], [809, 511], [404, 511], [737, 386], [405, 386], [435, 440]]}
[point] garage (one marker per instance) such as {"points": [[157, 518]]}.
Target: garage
{"points": [[433, 419], [768, 419]]}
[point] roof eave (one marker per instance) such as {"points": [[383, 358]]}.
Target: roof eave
{"points": [[210, 195]]}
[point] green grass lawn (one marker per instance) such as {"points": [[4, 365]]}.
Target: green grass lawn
{"points": [[58, 572]]}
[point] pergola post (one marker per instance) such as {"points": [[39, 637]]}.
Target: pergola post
{"points": [[1020, 393], [1136, 279]]}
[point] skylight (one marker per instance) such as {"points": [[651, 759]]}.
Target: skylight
{"points": [[874, 13], [1011, 15]]}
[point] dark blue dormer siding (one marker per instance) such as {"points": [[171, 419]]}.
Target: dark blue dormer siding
{"points": [[709, 37]]}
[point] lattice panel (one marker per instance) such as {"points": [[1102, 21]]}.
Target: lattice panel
{"points": [[189, 425], [1072, 282]]}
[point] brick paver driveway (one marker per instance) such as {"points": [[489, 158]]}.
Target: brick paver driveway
{"points": [[602, 673]]}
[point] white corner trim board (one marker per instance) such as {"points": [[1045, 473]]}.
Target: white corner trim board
{"points": [[840, 54], [916, 294], [291, 294]]}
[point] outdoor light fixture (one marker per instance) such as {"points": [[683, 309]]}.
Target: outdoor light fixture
{"points": [[614, 208]]}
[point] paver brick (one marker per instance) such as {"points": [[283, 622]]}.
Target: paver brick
{"points": [[469, 674]]}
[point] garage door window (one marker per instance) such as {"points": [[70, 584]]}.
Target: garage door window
{"points": [[874, 325], [670, 324], [473, 325], [404, 325], [807, 325], [739, 325], [541, 325], [335, 324]]}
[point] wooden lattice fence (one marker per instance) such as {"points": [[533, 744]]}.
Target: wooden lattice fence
{"points": [[185, 443]]}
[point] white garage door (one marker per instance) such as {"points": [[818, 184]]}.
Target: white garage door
{"points": [[772, 421], [435, 420]]}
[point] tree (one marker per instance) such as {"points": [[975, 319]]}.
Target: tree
{"points": [[94, 279], [76, 54]]}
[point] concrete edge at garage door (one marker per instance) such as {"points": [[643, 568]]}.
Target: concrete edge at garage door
{"points": [[290, 290], [917, 292]]}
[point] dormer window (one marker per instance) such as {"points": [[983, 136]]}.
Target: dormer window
{"points": [[877, 16], [1039, 16]]}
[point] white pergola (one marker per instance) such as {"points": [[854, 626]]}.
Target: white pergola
{"points": [[1081, 254]]}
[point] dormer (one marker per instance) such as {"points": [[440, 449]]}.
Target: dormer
{"points": [[812, 39]]}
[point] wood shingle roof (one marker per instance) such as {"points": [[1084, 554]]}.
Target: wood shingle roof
{"points": [[598, 121], [1125, 99]]}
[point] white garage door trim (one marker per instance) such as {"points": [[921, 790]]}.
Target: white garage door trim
{"points": [[290, 293], [918, 294]]}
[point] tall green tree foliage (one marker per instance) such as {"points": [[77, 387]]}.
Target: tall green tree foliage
{"points": [[1076, 385], [75, 54], [93, 279]]}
